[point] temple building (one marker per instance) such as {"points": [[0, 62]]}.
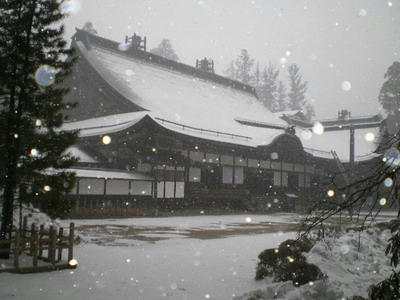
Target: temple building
{"points": [[158, 135]]}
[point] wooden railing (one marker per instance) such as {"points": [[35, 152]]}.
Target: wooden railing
{"points": [[205, 131], [42, 244]]}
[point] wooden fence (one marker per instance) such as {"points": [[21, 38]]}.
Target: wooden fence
{"points": [[41, 244]]}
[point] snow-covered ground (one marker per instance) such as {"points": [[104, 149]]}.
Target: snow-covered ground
{"points": [[197, 257], [174, 267]]}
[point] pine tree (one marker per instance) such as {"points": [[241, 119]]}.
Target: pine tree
{"points": [[230, 72], [309, 111], [268, 91], [389, 95], [89, 28], [297, 87], [165, 49], [257, 76], [244, 65], [281, 102], [33, 64]]}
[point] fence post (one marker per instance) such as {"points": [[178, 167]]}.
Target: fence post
{"points": [[52, 245], [40, 245], [31, 244], [71, 241], [34, 245], [16, 249], [60, 243]]}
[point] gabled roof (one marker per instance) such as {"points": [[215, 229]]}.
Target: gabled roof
{"points": [[189, 101], [183, 97]]}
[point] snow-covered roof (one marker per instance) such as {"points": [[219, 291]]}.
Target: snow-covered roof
{"points": [[105, 174], [174, 96], [83, 156], [195, 106], [339, 141], [106, 124]]}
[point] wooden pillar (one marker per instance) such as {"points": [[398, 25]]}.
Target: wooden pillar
{"points": [[24, 226], [60, 243], [71, 241], [52, 245], [34, 246], [351, 152], [40, 245], [33, 229], [17, 244]]}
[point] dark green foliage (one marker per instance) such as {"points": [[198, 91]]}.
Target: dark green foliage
{"points": [[31, 142], [288, 263], [387, 289], [299, 272], [389, 95], [393, 248]]}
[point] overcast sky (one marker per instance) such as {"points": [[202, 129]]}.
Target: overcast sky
{"points": [[332, 41]]}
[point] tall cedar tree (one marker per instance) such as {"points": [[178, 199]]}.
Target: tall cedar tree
{"points": [[268, 91], [165, 49], [33, 64], [243, 66], [297, 87], [281, 102], [389, 95]]}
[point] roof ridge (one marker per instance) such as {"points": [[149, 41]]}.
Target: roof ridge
{"points": [[88, 39]]}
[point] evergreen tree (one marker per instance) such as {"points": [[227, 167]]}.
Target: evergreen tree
{"points": [[389, 95], [89, 28], [33, 64], [297, 87], [165, 49], [309, 111], [268, 91], [281, 103], [244, 65], [257, 76], [230, 72]]}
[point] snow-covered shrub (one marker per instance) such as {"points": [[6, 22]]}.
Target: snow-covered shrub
{"points": [[386, 289], [299, 272], [324, 291], [288, 263]]}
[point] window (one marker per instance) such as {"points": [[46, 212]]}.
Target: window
{"points": [[308, 181], [194, 174], [287, 166], [196, 156], [301, 180], [252, 163], [227, 160], [240, 161], [141, 187], [239, 175], [265, 164], [180, 190], [91, 186], [117, 187], [299, 168], [275, 165], [285, 177], [227, 175], [277, 178], [212, 158]]}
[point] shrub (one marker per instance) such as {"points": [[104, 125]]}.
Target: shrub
{"points": [[386, 289], [288, 263]]}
